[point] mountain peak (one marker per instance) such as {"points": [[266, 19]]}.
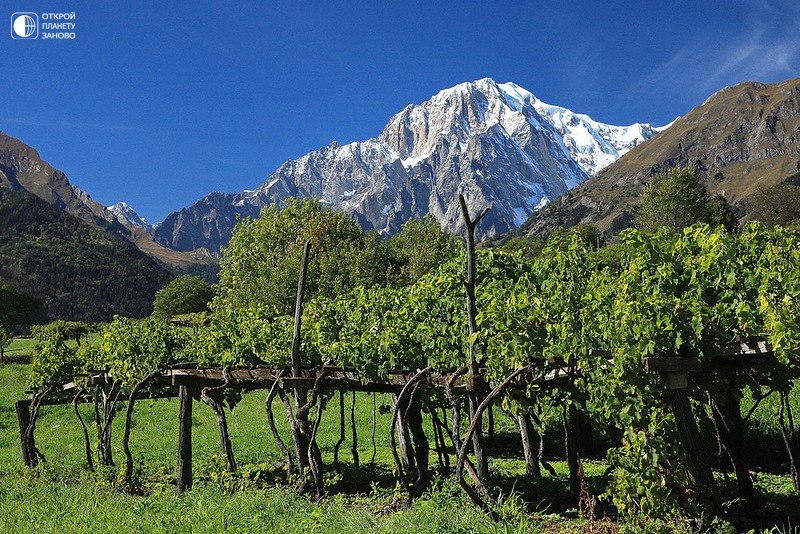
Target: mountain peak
{"points": [[496, 144], [127, 215], [472, 108]]}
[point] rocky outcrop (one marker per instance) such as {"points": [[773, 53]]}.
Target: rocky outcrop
{"points": [[205, 225]]}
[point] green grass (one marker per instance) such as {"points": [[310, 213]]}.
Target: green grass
{"points": [[37, 507], [62, 496], [19, 351]]}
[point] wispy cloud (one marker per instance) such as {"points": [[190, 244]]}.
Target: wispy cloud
{"points": [[765, 48]]}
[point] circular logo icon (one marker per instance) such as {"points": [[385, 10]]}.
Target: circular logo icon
{"points": [[24, 25]]}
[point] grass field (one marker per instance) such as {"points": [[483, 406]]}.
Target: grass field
{"points": [[19, 351], [62, 496]]}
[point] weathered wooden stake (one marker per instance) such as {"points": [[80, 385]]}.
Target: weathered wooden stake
{"points": [[300, 425], [24, 419], [527, 434], [472, 313], [727, 417], [571, 447], [354, 448], [184, 476], [404, 440], [786, 422], [421, 447], [697, 466], [341, 433], [298, 314]]}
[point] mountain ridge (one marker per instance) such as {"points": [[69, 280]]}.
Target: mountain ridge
{"points": [[742, 138], [77, 271], [481, 139], [23, 169]]}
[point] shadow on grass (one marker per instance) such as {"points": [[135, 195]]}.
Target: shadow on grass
{"points": [[17, 358], [363, 479], [776, 504]]}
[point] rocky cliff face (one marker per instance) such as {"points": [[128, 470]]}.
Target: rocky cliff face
{"points": [[206, 225], [741, 138], [494, 143]]}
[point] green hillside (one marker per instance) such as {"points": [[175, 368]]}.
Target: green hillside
{"points": [[75, 270]]}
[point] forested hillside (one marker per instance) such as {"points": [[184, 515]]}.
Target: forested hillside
{"points": [[75, 270]]}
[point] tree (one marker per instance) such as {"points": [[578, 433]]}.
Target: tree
{"points": [[589, 234], [420, 247], [5, 341], [530, 247], [778, 205], [16, 308], [185, 294], [261, 264], [679, 199], [722, 213]]}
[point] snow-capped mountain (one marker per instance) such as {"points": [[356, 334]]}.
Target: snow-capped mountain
{"points": [[127, 215], [495, 143], [593, 145]]}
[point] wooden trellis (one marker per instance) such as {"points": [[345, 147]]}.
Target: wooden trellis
{"points": [[188, 379]]}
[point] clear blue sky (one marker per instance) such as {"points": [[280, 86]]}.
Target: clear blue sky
{"points": [[160, 103]]}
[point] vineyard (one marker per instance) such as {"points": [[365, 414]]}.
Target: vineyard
{"points": [[651, 344]]}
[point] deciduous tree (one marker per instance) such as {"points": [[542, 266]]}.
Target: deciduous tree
{"points": [[16, 308], [776, 206], [679, 199], [261, 264], [185, 294], [420, 247]]}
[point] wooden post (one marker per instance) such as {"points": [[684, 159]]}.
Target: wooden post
{"points": [[421, 447], [298, 312], [697, 465], [527, 434], [24, 418], [472, 313], [184, 478], [569, 416], [727, 417], [308, 454], [403, 438]]}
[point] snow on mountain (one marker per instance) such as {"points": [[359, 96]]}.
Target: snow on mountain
{"points": [[593, 145], [127, 215], [495, 143]]}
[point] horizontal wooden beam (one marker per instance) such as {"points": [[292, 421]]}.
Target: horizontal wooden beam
{"points": [[730, 358], [676, 364], [746, 348], [348, 379]]}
